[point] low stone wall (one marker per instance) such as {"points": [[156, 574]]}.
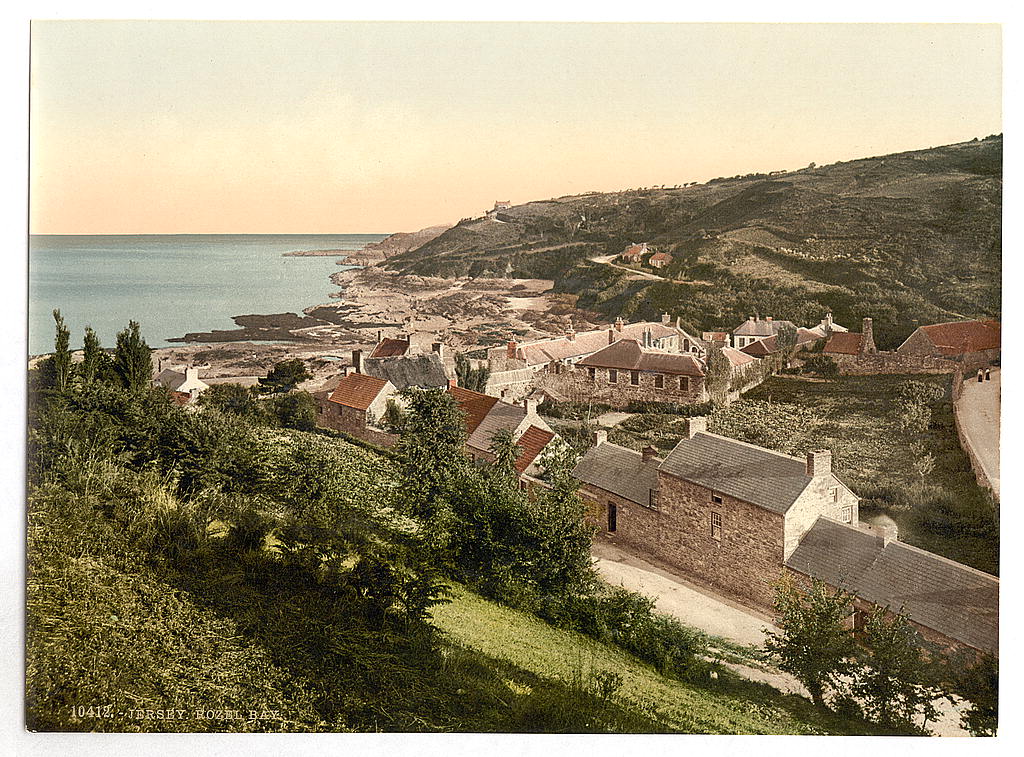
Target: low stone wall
{"points": [[891, 362], [972, 455]]}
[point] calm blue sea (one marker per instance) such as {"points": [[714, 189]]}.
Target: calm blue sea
{"points": [[173, 284]]}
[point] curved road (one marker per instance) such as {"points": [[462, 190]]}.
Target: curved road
{"points": [[978, 412]]}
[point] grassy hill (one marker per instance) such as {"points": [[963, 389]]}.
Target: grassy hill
{"points": [[907, 238]]}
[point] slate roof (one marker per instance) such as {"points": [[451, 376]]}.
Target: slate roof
{"points": [[474, 405], [531, 443], [844, 343], [501, 416], [390, 348], [620, 471], [627, 354], [424, 371], [745, 471], [587, 342], [170, 379], [959, 337], [737, 357], [957, 601], [357, 390], [760, 327]]}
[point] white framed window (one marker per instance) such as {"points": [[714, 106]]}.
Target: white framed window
{"points": [[847, 513], [716, 498], [716, 526]]}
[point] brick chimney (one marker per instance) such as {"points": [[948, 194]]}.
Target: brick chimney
{"points": [[666, 319], [513, 345], [357, 361], [619, 323], [697, 425], [867, 345], [819, 463], [380, 336], [600, 436], [649, 453]]}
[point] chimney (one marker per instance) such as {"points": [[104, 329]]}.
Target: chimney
{"points": [[619, 323], [768, 318], [438, 349], [191, 374], [570, 333], [513, 345], [380, 336], [357, 361], [867, 345], [827, 322], [649, 453], [666, 319], [531, 406], [819, 463], [696, 425], [751, 318], [600, 436], [611, 335]]}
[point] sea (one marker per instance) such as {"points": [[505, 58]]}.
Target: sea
{"points": [[173, 284]]}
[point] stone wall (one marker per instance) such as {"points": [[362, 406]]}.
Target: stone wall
{"points": [[891, 363], [574, 383], [350, 421], [511, 385], [817, 500], [636, 525]]}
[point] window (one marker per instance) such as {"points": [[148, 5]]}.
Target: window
{"points": [[659, 381], [634, 378], [591, 373], [834, 491], [684, 384], [716, 498], [613, 376], [716, 526], [847, 514], [650, 499]]}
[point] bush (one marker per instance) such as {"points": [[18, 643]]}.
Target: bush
{"points": [[823, 365]]}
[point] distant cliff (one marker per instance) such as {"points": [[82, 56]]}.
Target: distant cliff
{"points": [[395, 244], [907, 238]]}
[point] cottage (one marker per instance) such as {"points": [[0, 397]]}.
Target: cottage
{"points": [[660, 259], [486, 416], [973, 343], [355, 406], [725, 513], [846, 347], [953, 607], [755, 328], [182, 383], [627, 370], [634, 253]]}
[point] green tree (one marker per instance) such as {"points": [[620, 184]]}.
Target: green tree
{"points": [[234, 399], [394, 417], [813, 643], [92, 354], [132, 361], [468, 377], [823, 365], [61, 354], [786, 339], [979, 685], [718, 371], [295, 410], [893, 685], [285, 376]]}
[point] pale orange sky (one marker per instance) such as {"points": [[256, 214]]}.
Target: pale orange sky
{"points": [[324, 127]]}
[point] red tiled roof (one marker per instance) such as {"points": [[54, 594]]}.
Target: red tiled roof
{"points": [[532, 442], [844, 343], [180, 398], [357, 390], [660, 257], [633, 251], [627, 354], [390, 348], [761, 347], [476, 406], [959, 337]]}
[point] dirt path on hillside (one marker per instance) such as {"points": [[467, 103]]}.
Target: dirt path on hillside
{"points": [[978, 410]]}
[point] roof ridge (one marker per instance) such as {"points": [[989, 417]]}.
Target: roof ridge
{"points": [[751, 445], [911, 547]]}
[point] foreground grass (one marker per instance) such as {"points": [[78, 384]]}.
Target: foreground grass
{"points": [[724, 705]]}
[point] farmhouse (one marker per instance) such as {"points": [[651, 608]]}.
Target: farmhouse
{"points": [[187, 383], [725, 513], [973, 343], [355, 406], [486, 416], [660, 259], [634, 253], [841, 346], [953, 607]]}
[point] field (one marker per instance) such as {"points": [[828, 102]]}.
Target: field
{"points": [[921, 480]]}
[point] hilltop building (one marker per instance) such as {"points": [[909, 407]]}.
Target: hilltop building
{"points": [[659, 259]]}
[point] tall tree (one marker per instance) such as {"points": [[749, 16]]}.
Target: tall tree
{"points": [[91, 354], [61, 354], [132, 361], [813, 643], [718, 371], [285, 376], [894, 684]]}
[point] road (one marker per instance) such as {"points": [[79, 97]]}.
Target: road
{"points": [[978, 411]]}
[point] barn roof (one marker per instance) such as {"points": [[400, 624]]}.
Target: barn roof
{"points": [[475, 405], [424, 371], [957, 601]]}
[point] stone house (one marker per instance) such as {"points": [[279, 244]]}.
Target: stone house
{"points": [[723, 512], [634, 253], [355, 407], [756, 328], [659, 259], [627, 370], [486, 416], [954, 608], [770, 345], [972, 343]]}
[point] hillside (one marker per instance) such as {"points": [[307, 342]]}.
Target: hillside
{"points": [[905, 238]]}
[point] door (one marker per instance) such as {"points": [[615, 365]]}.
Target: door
{"points": [[611, 517]]}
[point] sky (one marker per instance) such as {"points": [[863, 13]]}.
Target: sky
{"points": [[165, 127]]}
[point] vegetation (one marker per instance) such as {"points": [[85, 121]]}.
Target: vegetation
{"points": [[468, 377], [61, 355], [285, 376], [132, 361]]}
